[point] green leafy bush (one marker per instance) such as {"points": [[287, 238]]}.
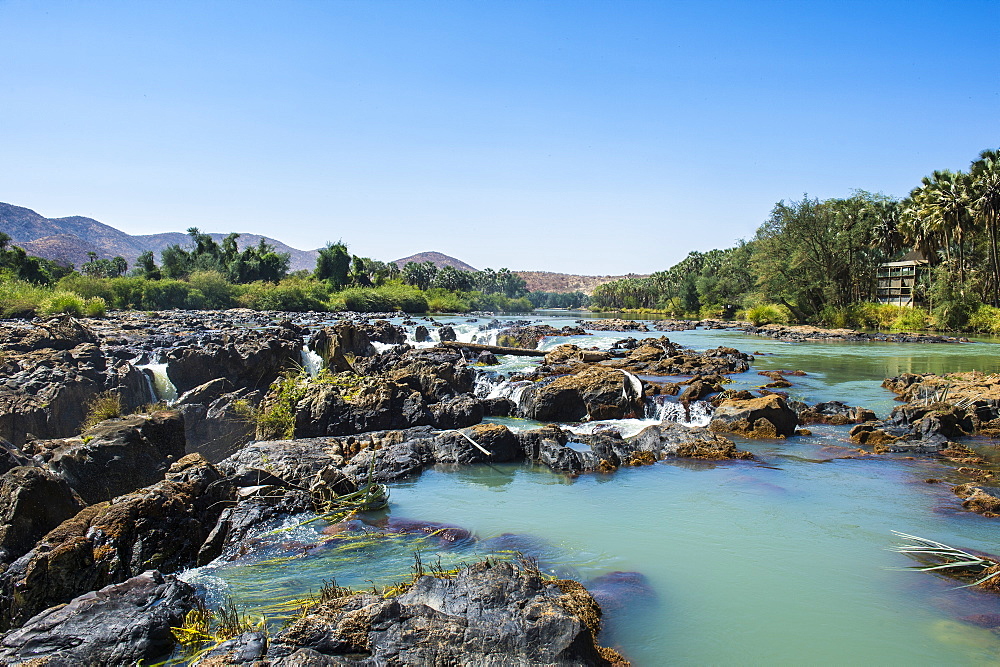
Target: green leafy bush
{"points": [[62, 302], [768, 313], [21, 299]]}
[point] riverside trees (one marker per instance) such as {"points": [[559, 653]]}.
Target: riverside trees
{"points": [[818, 258]]}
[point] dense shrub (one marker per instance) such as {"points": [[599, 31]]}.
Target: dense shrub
{"points": [[768, 313], [19, 298]]}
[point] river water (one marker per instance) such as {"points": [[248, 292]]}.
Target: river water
{"points": [[783, 560]]}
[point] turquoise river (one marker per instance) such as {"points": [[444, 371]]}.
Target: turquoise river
{"points": [[782, 560]]}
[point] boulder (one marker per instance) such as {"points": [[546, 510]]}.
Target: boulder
{"points": [[491, 614], [593, 393], [33, 501], [446, 333], [247, 358], [763, 417], [831, 412], [121, 455], [121, 624], [218, 429], [421, 334]]}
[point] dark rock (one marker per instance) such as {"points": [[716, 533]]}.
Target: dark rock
{"points": [[831, 412], [160, 527], [120, 624], [528, 336], [121, 455], [248, 359], [594, 392], [33, 501], [487, 358], [446, 332], [488, 614], [222, 427], [246, 649], [457, 412], [421, 334]]}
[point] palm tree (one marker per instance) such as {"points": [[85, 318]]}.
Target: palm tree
{"points": [[985, 195], [943, 201]]}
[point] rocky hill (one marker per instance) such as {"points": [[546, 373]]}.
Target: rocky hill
{"points": [[545, 281], [68, 240], [439, 259]]}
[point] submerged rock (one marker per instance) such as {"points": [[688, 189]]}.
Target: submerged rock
{"points": [[121, 624], [488, 614]]}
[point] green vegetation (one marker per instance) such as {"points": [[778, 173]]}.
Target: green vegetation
{"points": [[818, 260], [105, 405], [210, 275], [559, 299]]}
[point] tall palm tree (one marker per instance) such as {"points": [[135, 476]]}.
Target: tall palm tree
{"points": [[985, 195], [944, 203]]}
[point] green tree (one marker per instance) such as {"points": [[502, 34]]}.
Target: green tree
{"points": [[333, 265]]}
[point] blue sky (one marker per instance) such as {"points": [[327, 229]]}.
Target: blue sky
{"points": [[584, 137]]}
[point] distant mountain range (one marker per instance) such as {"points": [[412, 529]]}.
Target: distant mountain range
{"points": [[68, 240]]}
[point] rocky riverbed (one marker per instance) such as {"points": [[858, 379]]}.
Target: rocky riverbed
{"points": [[141, 445]]}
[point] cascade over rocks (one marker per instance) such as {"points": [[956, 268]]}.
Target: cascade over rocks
{"points": [[763, 417], [159, 527], [121, 624], [491, 614]]}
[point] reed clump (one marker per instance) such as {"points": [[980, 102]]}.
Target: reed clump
{"points": [[105, 405]]}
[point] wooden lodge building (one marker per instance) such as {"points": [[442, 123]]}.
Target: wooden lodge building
{"points": [[897, 280]]}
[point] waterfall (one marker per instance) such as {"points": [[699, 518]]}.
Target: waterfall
{"points": [[162, 388], [311, 362], [699, 413], [636, 385]]}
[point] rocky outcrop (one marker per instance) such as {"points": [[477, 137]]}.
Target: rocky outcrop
{"points": [[160, 527], [831, 412], [121, 624], [220, 427], [119, 455], [492, 613], [564, 451], [763, 417], [33, 501], [797, 334], [978, 500], [592, 393], [249, 359], [51, 374], [528, 336], [613, 325], [659, 356]]}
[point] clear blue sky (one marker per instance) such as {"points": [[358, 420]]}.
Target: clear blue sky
{"points": [[585, 137]]}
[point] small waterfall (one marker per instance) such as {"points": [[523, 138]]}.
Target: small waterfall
{"points": [[699, 413], [488, 337], [311, 362], [162, 388], [636, 385]]}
